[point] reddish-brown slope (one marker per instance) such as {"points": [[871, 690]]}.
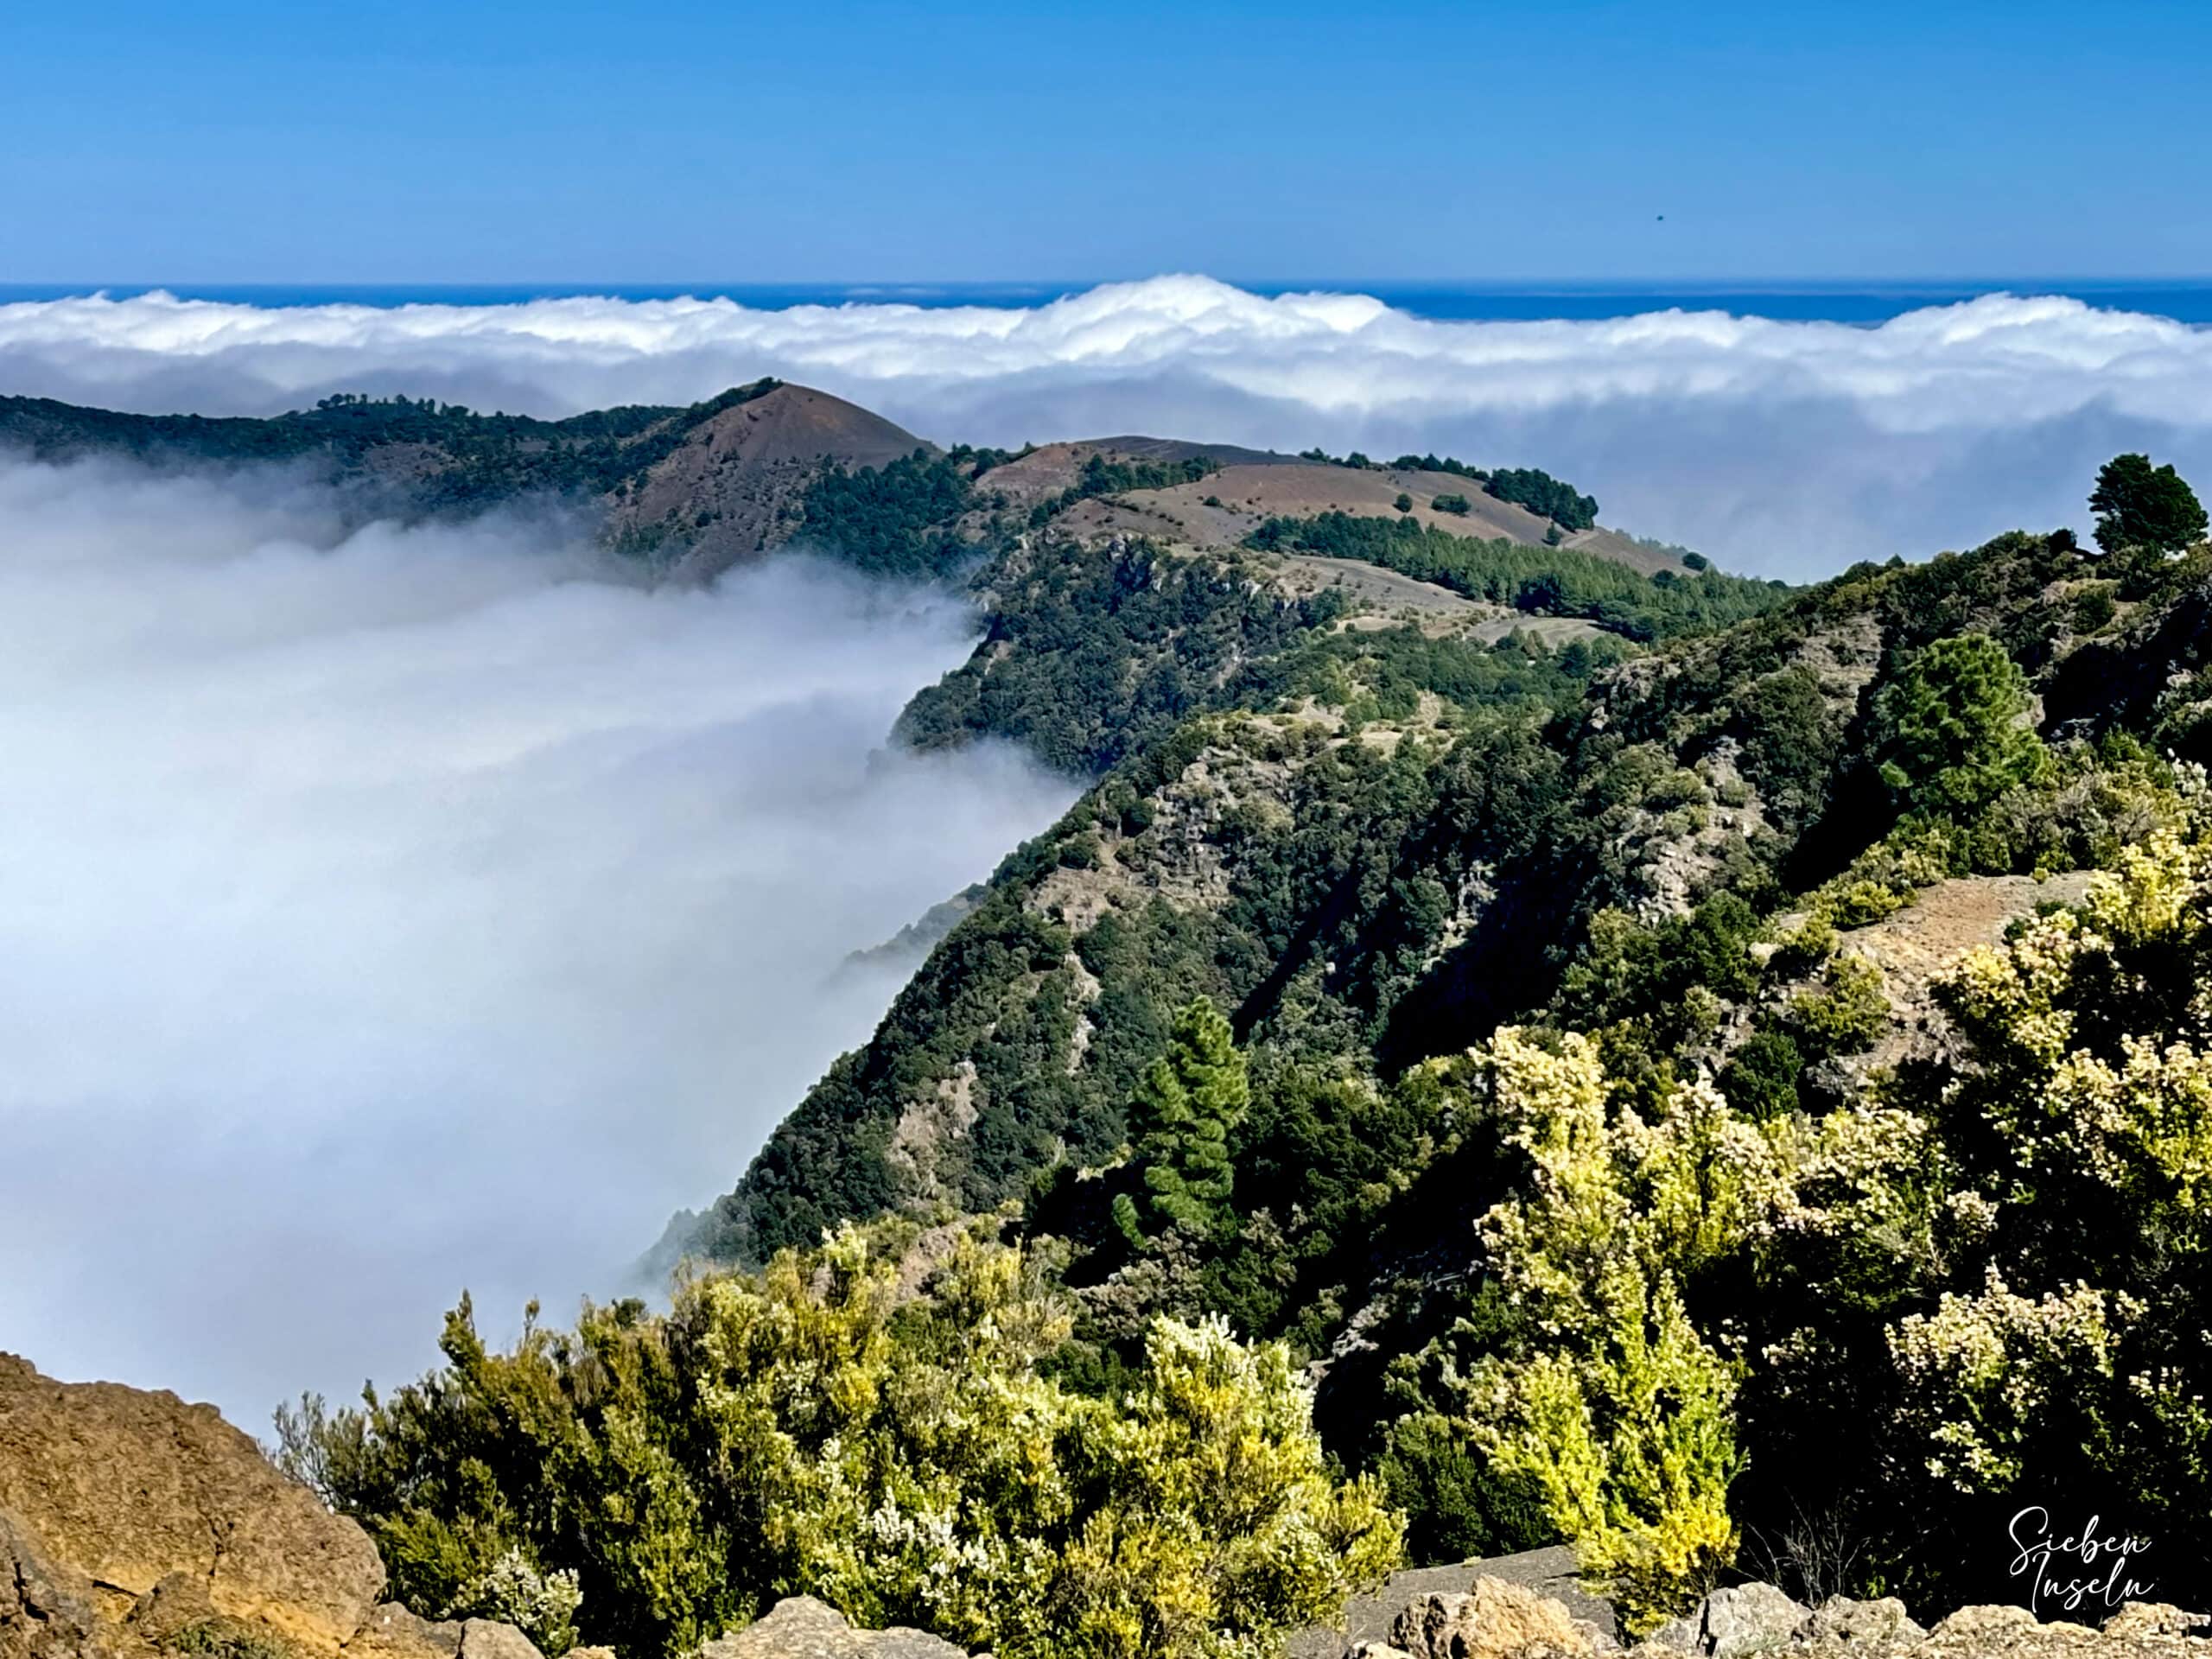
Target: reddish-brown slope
{"points": [[732, 489], [1256, 484]]}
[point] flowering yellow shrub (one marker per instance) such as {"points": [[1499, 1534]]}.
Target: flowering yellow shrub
{"points": [[1620, 1413], [831, 1427], [1973, 1225], [1981, 1368]]}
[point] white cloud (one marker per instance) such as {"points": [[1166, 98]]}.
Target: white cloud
{"points": [[397, 910], [1786, 448], [401, 911]]}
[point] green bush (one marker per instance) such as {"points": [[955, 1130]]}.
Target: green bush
{"points": [[1760, 1079], [2094, 608], [820, 1428], [1845, 1013]]}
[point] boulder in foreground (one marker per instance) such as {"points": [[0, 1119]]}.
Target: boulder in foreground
{"points": [[133, 1524]]}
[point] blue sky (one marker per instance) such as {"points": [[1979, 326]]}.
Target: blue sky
{"points": [[235, 140]]}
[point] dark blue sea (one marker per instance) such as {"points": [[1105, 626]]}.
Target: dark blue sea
{"points": [[1848, 302]]}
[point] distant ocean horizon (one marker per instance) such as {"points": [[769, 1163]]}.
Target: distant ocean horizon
{"points": [[1866, 302]]}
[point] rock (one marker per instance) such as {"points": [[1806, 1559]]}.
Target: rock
{"points": [[132, 1525], [392, 1632], [803, 1628], [1750, 1617], [1551, 1572], [125, 1488], [1493, 1620], [1744, 1618], [487, 1638], [46, 1611], [1971, 1623], [178, 1603], [1839, 1623], [1375, 1650], [2008, 1633], [2141, 1618]]}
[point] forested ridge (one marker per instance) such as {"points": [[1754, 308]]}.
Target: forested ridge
{"points": [[1528, 1051], [1711, 1073], [473, 460]]}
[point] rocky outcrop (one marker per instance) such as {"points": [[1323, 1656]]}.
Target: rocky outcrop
{"points": [[803, 1628], [133, 1524], [392, 1632], [128, 1488], [1745, 1619], [1841, 1626], [1549, 1574], [1492, 1618]]}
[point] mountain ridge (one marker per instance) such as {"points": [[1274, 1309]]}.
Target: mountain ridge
{"points": [[717, 482], [1537, 1022]]}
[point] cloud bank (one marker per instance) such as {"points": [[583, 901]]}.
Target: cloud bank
{"points": [[1787, 448], [398, 910]]}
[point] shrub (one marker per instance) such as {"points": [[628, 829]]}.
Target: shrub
{"points": [[1844, 1015], [2094, 608], [820, 1428], [1760, 1080], [1618, 1414]]}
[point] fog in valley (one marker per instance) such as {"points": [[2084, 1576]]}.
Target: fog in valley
{"points": [[396, 910], [399, 911]]}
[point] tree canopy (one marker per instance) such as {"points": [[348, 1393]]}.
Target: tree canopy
{"points": [[1188, 1104], [2138, 505], [1954, 729], [824, 1428]]}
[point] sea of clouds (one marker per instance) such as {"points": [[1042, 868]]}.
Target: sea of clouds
{"points": [[389, 912], [1784, 449], [392, 910]]}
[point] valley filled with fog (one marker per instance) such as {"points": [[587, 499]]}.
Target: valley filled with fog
{"points": [[397, 911]]}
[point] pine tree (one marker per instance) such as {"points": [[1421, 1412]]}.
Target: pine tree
{"points": [[2139, 505], [1186, 1106], [1953, 736]]}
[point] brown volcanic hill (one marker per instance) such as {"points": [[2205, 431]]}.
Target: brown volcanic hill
{"points": [[1051, 468], [733, 487], [724, 479], [1254, 485]]}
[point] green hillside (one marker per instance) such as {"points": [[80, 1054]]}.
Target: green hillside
{"points": [[1710, 1073]]}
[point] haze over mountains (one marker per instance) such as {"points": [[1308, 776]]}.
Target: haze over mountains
{"points": [[1784, 449], [446, 838], [1477, 937], [394, 909]]}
